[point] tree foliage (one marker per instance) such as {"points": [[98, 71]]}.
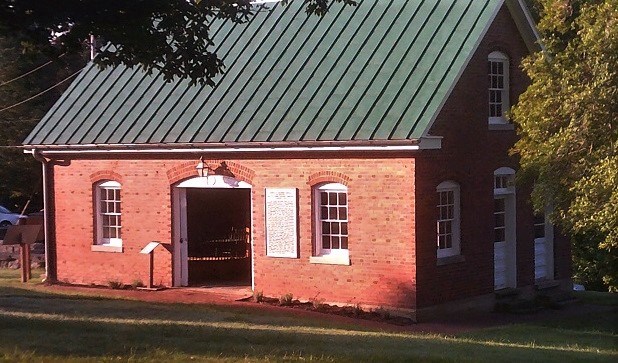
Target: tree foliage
{"points": [[568, 124], [20, 173], [171, 36]]}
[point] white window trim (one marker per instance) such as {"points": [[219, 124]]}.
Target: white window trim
{"points": [[501, 120], [321, 255], [455, 250], [510, 174], [104, 244]]}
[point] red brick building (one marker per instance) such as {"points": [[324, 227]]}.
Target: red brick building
{"points": [[358, 158]]}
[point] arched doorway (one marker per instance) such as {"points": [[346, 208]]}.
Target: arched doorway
{"points": [[212, 235]]}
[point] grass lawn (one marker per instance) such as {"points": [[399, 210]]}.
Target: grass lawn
{"points": [[38, 326]]}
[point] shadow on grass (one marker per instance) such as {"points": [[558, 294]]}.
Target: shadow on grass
{"points": [[41, 326], [61, 336], [25, 300]]}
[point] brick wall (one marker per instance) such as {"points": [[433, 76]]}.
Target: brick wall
{"points": [[470, 154], [146, 206], [381, 235]]}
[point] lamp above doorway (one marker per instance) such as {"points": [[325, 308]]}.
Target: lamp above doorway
{"points": [[203, 169]]}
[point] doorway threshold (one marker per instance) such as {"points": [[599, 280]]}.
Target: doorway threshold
{"points": [[225, 291]]}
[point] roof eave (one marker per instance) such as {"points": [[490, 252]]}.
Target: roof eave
{"points": [[525, 24], [409, 144]]}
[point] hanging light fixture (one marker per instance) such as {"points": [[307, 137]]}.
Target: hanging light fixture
{"points": [[202, 168]]}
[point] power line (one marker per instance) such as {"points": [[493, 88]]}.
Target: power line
{"points": [[41, 93], [29, 72], [25, 74]]}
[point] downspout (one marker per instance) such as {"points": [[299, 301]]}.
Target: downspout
{"points": [[50, 273]]}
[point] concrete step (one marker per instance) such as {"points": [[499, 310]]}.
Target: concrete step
{"points": [[507, 293], [543, 285]]}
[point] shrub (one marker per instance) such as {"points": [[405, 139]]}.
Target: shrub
{"points": [[286, 300], [115, 284], [593, 267], [382, 313], [318, 304], [137, 283], [258, 296]]}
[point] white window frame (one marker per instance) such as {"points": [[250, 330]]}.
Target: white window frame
{"points": [[322, 255], [498, 57], [455, 221], [114, 244], [504, 181]]}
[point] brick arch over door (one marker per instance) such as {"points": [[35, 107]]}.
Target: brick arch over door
{"points": [[328, 176], [187, 170], [105, 175]]}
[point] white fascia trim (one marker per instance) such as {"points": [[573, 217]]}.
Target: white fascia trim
{"points": [[524, 20], [228, 150], [531, 22]]}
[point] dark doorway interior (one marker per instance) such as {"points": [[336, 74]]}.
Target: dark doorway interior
{"points": [[218, 228]]}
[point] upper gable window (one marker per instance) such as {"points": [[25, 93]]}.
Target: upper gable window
{"points": [[504, 181], [498, 71]]}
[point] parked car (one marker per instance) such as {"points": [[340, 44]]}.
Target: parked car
{"points": [[8, 218]]}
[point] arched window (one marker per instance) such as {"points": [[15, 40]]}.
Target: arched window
{"points": [[498, 72], [330, 203], [448, 221], [108, 214]]}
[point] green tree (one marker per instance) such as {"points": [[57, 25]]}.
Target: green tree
{"points": [[20, 173], [169, 36], [567, 121]]}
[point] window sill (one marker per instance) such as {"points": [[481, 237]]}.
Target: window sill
{"points": [[330, 260], [106, 248], [501, 126], [450, 259]]}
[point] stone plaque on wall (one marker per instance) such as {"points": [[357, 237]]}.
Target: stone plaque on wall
{"points": [[281, 222]]}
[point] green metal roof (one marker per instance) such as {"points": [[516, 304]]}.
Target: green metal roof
{"points": [[377, 71]]}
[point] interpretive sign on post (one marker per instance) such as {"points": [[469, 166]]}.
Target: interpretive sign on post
{"points": [[24, 236], [149, 250], [149, 247], [281, 222]]}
